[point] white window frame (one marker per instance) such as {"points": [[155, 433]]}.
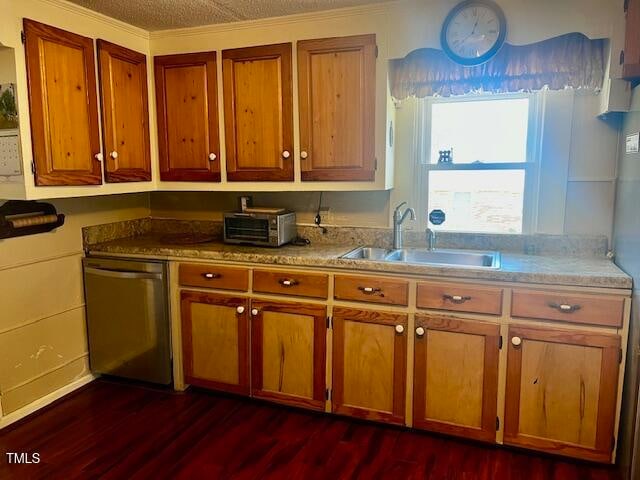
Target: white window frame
{"points": [[531, 166]]}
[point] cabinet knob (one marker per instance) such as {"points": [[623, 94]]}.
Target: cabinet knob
{"points": [[254, 312], [240, 309], [99, 157], [399, 328], [419, 331], [286, 154], [212, 156], [114, 154], [516, 341], [303, 154]]}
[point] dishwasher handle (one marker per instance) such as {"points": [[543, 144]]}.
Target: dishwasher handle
{"points": [[120, 274]]}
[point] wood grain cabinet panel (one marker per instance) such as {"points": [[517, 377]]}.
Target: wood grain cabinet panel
{"points": [[337, 78], [258, 113], [561, 391], [631, 66], [459, 297], [63, 106], [125, 113], [288, 361], [294, 283], [568, 307], [186, 101], [215, 341], [214, 276], [390, 291], [369, 364], [456, 376]]}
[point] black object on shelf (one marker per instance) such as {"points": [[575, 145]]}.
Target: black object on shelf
{"points": [[19, 218]]}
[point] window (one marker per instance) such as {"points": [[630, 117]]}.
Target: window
{"points": [[485, 188]]}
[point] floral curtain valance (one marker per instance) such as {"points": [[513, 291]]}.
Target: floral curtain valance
{"points": [[568, 61]]}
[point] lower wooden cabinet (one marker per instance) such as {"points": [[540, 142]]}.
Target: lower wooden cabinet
{"points": [[369, 364], [561, 391], [288, 353], [456, 376], [215, 341]]}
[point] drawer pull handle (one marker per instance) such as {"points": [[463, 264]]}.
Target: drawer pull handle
{"points": [[211, 276], [240, 309], [516, 341], [288, 282], [420, 331], [400, 329], [565, 307], [458, 299], [371, 291]]}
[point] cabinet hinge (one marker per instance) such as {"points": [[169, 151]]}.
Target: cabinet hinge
{"points": [[620, 355], [375, 164], [613, 443], [33, 167], [621, 57], [327, 394], [329, 322], [376, 51], [626, 6], [500, 343], [23, 37], [497, 423]]}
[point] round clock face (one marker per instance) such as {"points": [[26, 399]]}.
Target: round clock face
{"points": [[473, 32]]}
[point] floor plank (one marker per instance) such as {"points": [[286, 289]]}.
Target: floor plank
{"points": [[114, 430]]}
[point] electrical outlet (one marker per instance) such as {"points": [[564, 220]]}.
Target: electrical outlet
{"points": [[327, 215]]}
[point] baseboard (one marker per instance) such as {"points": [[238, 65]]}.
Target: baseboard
{"points": [[44, 401]]}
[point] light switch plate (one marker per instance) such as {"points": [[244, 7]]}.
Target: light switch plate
{"points": [[10, 153], [633, 143]]}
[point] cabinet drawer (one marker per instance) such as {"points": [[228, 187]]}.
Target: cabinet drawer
{"points": [[365, 289], [459, 298], [299, 284], [570, 307], [214, 276]]}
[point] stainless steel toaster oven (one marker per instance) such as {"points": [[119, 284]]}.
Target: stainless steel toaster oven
{"points": [[258, 228]]}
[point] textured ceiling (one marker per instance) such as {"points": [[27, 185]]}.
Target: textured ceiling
{"points": [[164, 14]]}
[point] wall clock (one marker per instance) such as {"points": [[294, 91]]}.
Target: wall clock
{"points": [[473, 32]]}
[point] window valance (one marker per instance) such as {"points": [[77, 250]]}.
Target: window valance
{"points": [[567, 61]]}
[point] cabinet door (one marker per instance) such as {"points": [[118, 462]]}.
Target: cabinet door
{"points": [[258, 113], [288, 353], [63, 106], [337, 78], [186, 101], [125, 113], [456, 376], [215, 341], [561, 391], [631, 68], [369, 364]]}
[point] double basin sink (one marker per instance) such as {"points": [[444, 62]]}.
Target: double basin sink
{"points": [[424, 256]]}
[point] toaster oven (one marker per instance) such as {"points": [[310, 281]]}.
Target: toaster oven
{"points": [[262, 229]]}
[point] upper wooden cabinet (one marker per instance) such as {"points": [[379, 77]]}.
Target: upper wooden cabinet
{"points": [[369, 364], [125, 113], [63, 106], [456, 376], [631, 66], [187, 111], [561, 391], [337, 108], [258, 113]]}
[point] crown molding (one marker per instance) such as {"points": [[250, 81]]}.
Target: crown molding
{"points": [[362, 10], [98, 17]]}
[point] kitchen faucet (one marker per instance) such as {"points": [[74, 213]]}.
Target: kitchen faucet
{"points": [[398, 219]]}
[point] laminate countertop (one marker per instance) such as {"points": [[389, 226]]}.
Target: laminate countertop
{"points": [[550, 270]]}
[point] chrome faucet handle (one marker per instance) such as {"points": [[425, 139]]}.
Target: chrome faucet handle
{"points": [[396, 211]]}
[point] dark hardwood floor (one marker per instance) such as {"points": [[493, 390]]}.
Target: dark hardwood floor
{"points": [[120, 431]]}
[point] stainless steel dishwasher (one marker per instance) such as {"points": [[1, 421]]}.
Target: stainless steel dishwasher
{"points": [[127, 318]]}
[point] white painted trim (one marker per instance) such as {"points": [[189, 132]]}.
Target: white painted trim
{"points": [[44, 401], [274, 22], [98, 17]]}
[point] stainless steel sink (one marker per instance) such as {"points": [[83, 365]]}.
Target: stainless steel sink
{"points": [[367, 253], [458, 258], [423, 256]]}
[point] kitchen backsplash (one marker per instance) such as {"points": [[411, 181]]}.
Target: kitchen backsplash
{"points": [[570, 245]]}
